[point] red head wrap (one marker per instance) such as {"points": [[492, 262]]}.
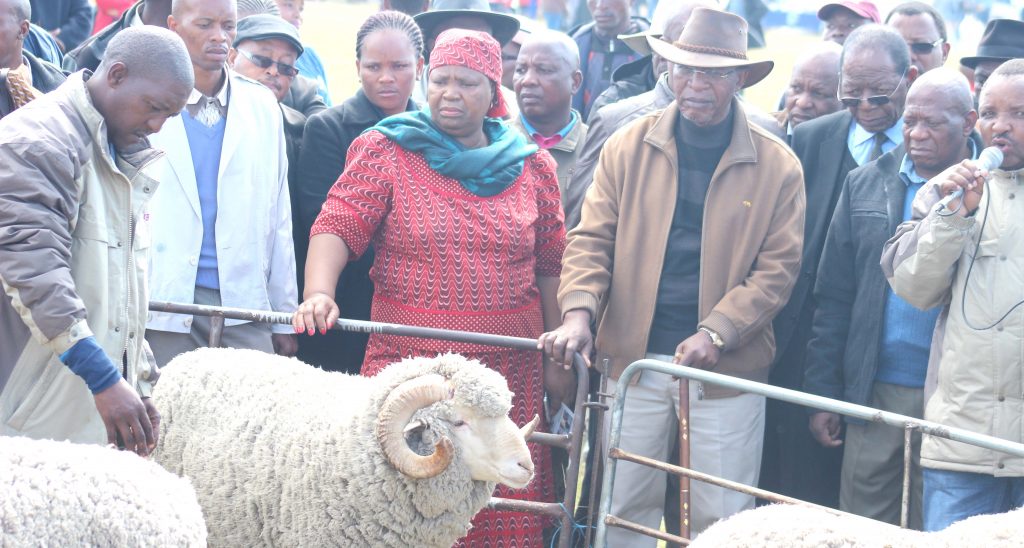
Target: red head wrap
{"points": [[474, 50]]}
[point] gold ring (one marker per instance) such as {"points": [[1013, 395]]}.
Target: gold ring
{"points": [[678, 356]]}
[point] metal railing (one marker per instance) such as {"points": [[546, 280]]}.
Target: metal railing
{"points": [[685, 374], [571, 442]]}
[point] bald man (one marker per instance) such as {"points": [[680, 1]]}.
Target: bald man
{"points": [[813, 87], [27, 77], [868, 345], [967, 257], [222, 219], [74, 241], [547, 74]]}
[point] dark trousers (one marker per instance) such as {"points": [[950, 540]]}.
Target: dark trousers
{"points": [[793, 463]]}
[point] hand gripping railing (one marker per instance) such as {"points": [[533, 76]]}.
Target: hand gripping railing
{"points": [[571, 442], [686, 374]]}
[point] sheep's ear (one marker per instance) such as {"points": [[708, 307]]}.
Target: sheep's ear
{"points": [[414, 426]]}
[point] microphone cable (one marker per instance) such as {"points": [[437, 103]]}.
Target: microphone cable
{"points": [[970, 268]]}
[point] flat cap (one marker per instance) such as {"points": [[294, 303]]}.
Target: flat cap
{"points": [[266, 26]]}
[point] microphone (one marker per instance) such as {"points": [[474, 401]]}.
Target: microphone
{"points": [[989, 159]]}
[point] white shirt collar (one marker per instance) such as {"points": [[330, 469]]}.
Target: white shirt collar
{"points": [[221, 96]]}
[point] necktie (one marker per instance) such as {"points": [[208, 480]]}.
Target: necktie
{"points": [[209, 113], [876, 150]]}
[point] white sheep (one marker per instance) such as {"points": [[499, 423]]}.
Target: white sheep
{"points": [[63, 494], [793, 526], [284, 454]]}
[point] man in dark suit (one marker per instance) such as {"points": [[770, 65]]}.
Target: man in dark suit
{"points": [[875, 75], [869, 346], [69, 21]]}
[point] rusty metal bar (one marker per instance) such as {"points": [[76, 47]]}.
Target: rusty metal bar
{"points": [[784, 394], [597, 410], [551, 509], [637, 528], [908, 431], [684, 457], [707, 478], [575, 438], [562, 441], [827, 404], [216, 331]]}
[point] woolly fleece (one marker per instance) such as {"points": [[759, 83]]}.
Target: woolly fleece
{"points": [[790, 526], [63, 494], [285, 454]]}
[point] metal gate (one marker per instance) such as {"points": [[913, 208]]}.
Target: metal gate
{"points": [[686, 374], [572, 442]]}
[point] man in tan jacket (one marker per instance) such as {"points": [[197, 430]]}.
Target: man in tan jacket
{"points": [[970, 257], [689, 244], [74, 242]]}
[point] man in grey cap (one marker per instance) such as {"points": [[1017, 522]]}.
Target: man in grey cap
{"points": [[265, 49], [1003, 40]]}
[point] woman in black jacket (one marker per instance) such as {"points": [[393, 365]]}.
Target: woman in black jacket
{"points": [[389, 59]]}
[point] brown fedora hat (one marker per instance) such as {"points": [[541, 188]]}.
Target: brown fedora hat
{"points": [[713, 39]]}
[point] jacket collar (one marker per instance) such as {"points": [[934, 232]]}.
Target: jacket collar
{"points": [[46, 77], [663, 92], [97, 126], [360, 111], [741, 148], [572, 139]]}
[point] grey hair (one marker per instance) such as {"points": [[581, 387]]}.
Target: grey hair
{"points": [[952, 85], [257, 7], [570, 50], [876, 37], [1013, 67], [22, 9], [139, 49]]}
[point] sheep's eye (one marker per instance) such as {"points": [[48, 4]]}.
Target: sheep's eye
{"points": [[458, 423]]}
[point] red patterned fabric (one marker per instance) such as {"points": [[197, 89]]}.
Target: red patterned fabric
{"points": [[475, 50], [447, 258]]}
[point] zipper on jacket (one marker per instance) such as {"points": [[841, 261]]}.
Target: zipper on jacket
{"points": [[130, 269], [127, 279]]}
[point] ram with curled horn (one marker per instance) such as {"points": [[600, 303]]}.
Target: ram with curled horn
{"points": [[283, 454]]}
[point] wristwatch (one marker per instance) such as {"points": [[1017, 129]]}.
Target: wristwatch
{"points": [[716, 339]]}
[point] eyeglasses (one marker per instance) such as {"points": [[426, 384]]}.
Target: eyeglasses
{"points": [[924, 48], [689, 73], [876, 100], [266, 62]]}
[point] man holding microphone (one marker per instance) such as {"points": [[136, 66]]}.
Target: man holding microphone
{"points": [[969, 255]]}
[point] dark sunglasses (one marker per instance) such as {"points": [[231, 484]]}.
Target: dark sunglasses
{"points": [[266, 62], [876, 100], [924, 48]]}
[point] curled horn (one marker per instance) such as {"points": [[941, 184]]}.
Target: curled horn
{"points": [[396, 412], [530, 427]]}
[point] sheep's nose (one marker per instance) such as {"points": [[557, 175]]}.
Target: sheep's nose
{"points": [[526, 465]]}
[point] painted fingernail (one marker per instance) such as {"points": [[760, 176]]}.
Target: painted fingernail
{"points": [[297, 330], [323, 330], [311, 331]]}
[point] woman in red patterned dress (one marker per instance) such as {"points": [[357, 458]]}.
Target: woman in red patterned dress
{"points": [[466, 221]]}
